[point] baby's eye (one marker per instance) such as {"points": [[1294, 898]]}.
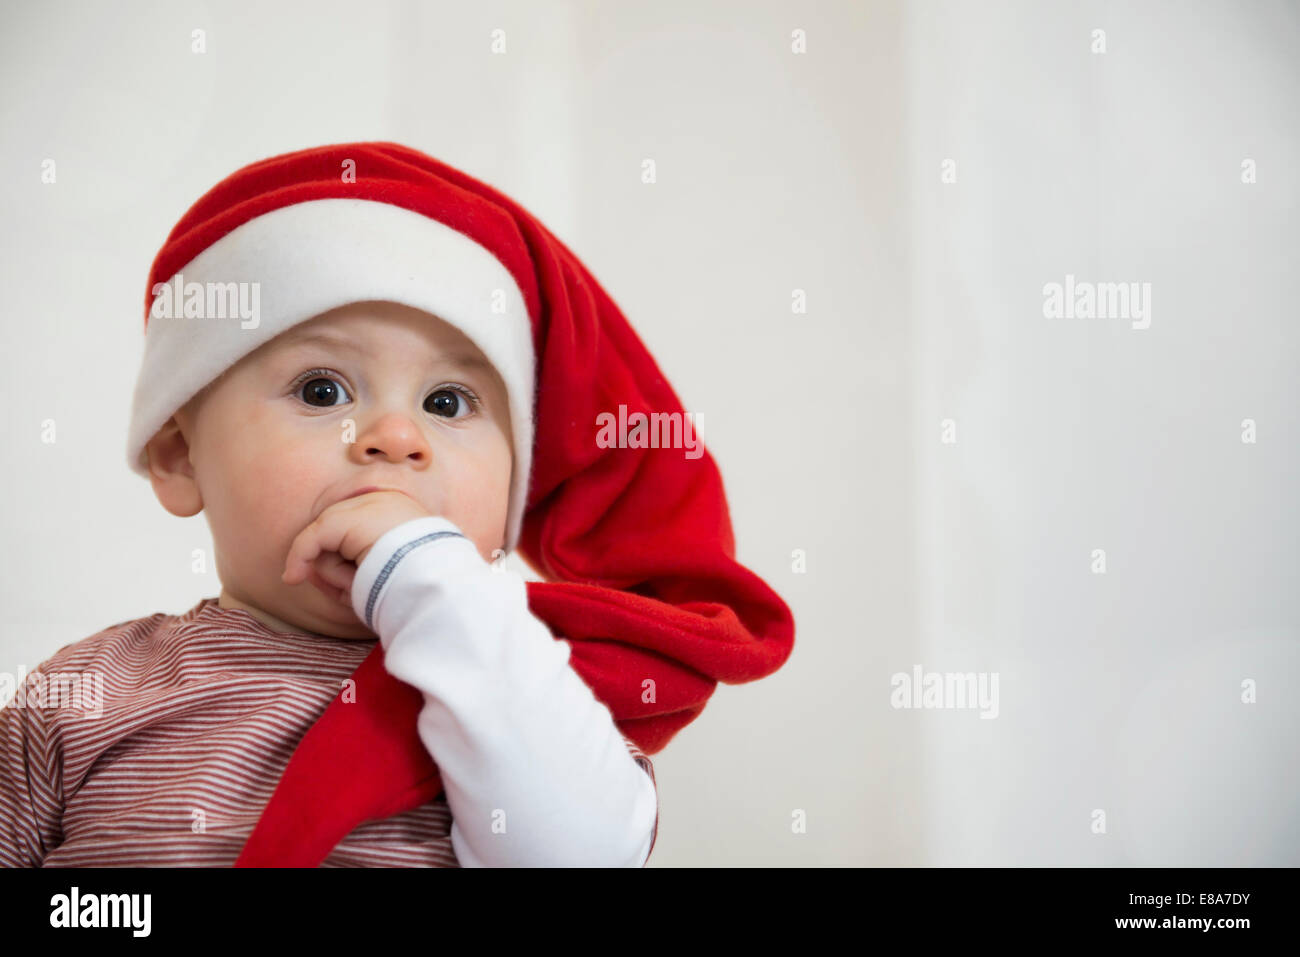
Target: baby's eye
{"points": [[322, 392], [448, 403]]}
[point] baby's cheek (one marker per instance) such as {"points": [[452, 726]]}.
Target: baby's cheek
{"points": [[271, 507], [478, 508]]}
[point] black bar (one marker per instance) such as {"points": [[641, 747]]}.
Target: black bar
{"points": [[925, 906]]}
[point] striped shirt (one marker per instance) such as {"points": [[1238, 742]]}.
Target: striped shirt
{"points": [[162, 739]]}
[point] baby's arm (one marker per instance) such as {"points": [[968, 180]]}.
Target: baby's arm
{"points": [[536, 771], [31, 805]]}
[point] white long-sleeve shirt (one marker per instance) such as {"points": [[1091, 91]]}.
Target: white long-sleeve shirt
{"points": [[535, 770]]}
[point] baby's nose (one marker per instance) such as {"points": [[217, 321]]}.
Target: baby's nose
{"points": [[393, 437]]}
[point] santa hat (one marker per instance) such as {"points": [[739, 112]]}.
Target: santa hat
{"points": [[635, 543]]}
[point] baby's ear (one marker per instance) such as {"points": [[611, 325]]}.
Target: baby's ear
{"points": [[171, 472]]}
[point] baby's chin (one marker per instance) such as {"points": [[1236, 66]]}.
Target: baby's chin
{"points": [[313, 614], [332, 620]]}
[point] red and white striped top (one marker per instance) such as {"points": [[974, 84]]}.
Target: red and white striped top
{"points": [[199, 714]]}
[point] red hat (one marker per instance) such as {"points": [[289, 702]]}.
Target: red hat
{"points": [[635, 544]]}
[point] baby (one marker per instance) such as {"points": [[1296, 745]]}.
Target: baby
{"points": [[363, 451], [295, 513]]}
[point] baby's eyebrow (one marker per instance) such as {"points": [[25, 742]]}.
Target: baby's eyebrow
{"points": [[466, 361], [332, 340], [337, 341]]}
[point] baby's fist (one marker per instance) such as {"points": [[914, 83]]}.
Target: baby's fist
{"points": [[344, 533]]}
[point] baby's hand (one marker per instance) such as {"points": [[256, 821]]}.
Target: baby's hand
{"points": [[328, 551]]}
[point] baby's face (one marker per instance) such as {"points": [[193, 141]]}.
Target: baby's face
{"points": [[395, 398]]}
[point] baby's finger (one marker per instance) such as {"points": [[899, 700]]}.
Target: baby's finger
{"points": [[323, 535], [335, 569], [334, 594]]}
